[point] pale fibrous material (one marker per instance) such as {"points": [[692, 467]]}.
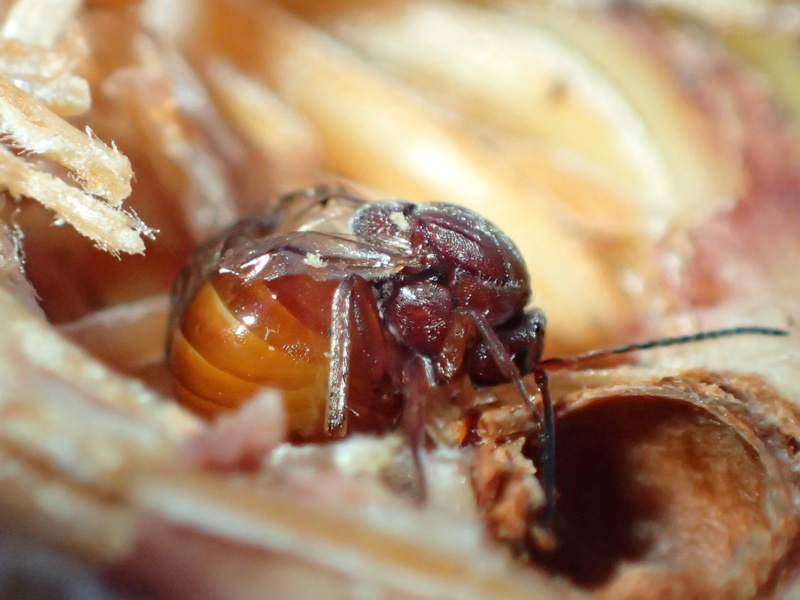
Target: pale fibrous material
{"points": [[43, 46], [644, 158]]}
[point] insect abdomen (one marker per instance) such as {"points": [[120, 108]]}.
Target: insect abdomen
{"points": [[235, 339]]}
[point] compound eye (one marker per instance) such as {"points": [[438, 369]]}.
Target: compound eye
{"points": [[419, 316], [468, 241], [385, 224]]}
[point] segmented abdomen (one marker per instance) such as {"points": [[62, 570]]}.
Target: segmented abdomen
{"points": [[235, 339]]}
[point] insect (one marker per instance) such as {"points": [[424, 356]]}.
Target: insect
{"points": [[354, 310]]}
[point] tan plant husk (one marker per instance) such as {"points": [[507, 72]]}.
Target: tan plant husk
{"points": [[681, 486]]}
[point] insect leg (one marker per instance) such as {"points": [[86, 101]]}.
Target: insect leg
{"points": [[417, 380], [341, 351], [548, 459], [510, 371]]}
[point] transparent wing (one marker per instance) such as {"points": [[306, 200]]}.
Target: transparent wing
{"points": [[305, 232], [322, 255], [327, 208]]}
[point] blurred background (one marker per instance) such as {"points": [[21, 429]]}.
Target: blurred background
{"points": [[643, 155]]}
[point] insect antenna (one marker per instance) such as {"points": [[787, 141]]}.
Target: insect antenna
{"points": [[547, 459], [566, 362]]}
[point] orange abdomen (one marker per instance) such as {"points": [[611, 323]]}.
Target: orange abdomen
{"points": [[236, 338]]}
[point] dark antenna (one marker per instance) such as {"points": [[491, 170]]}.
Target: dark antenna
{"points": [[556, 363], [566, 362]]}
